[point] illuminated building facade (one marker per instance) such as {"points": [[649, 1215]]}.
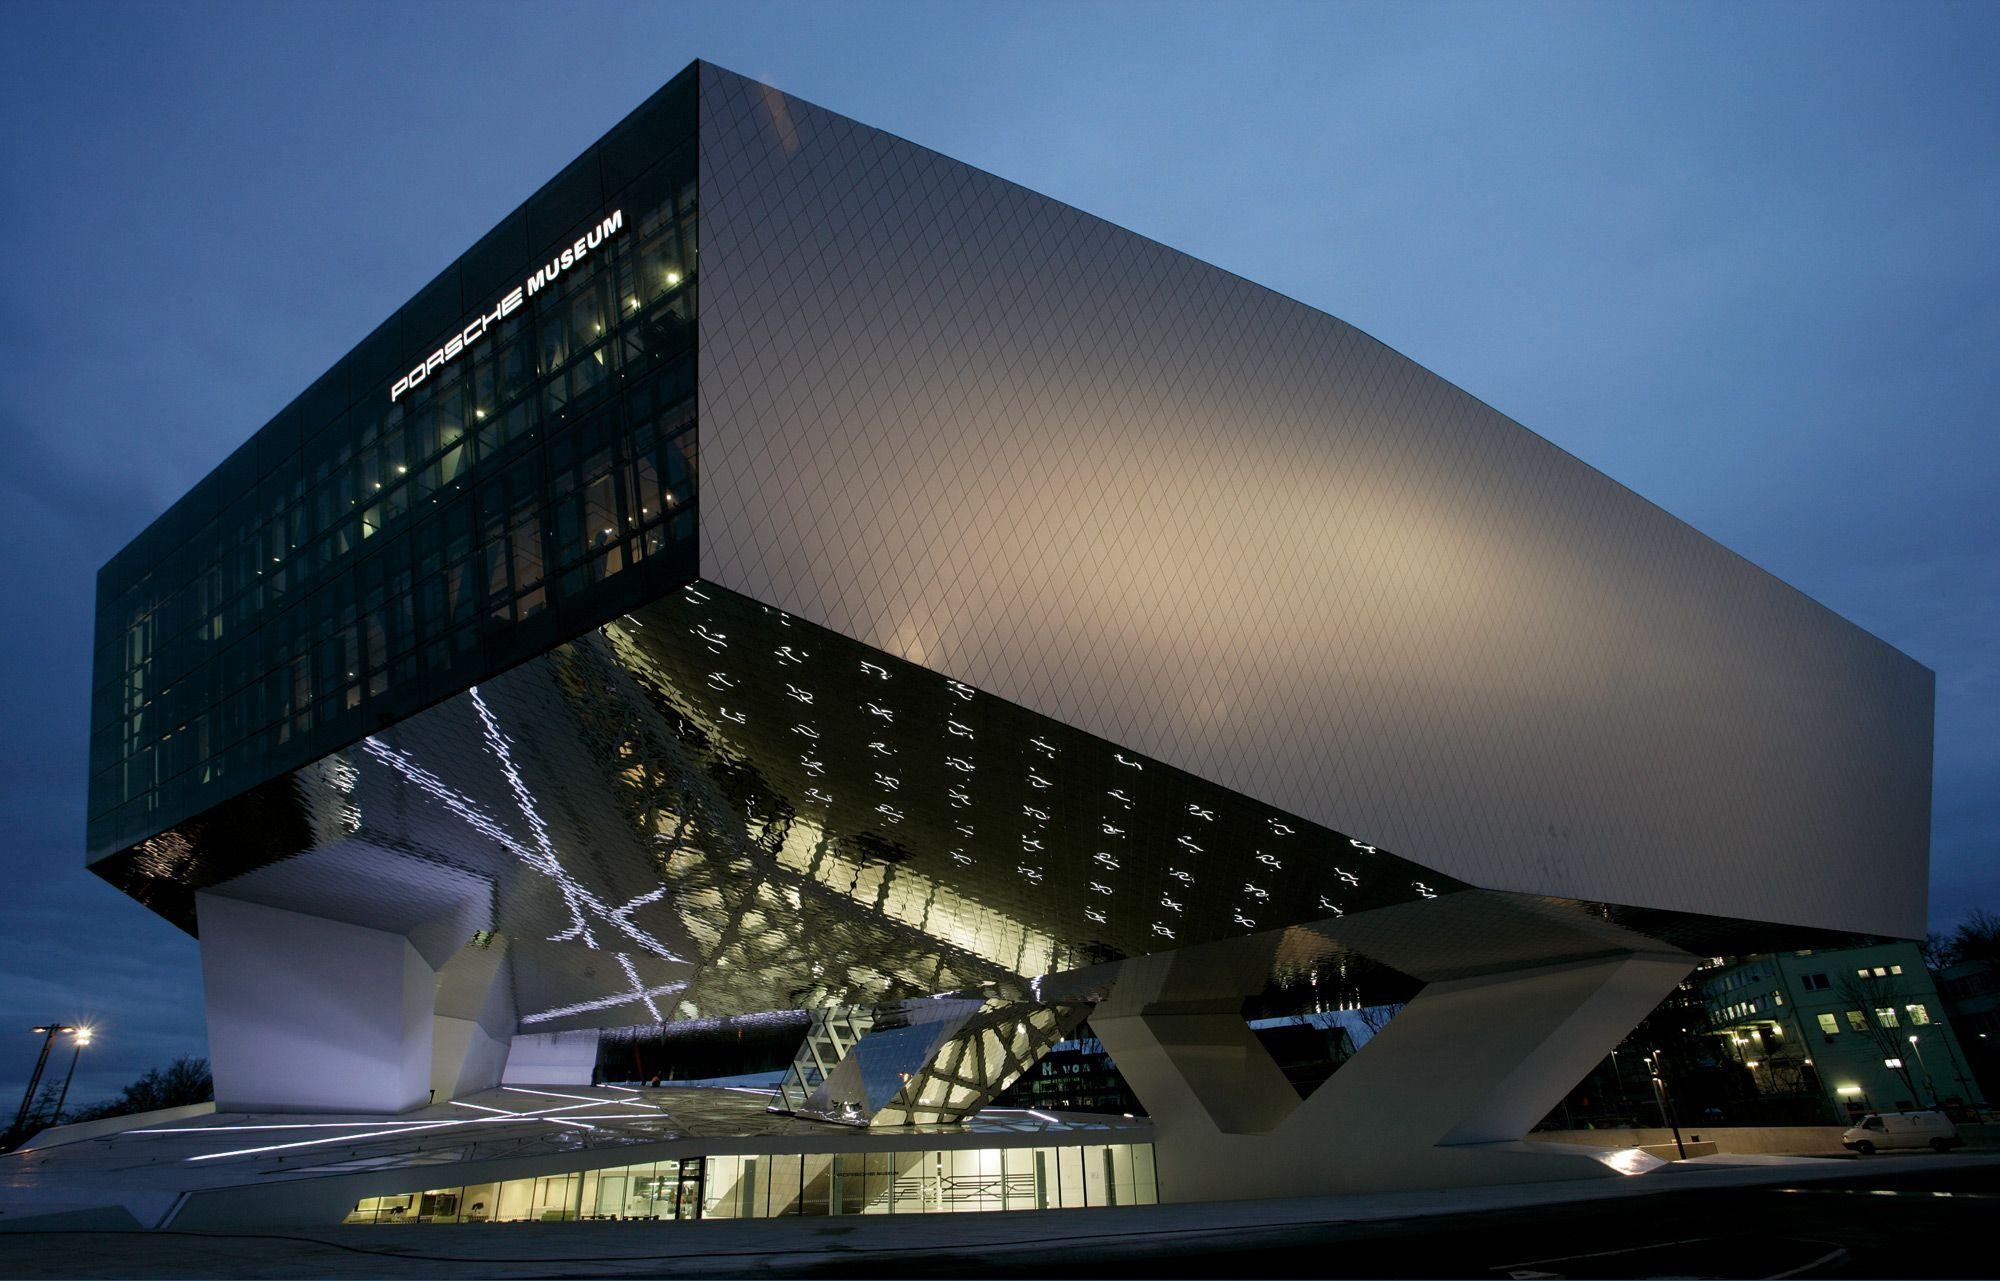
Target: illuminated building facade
{"points": [[1856, 1030], [1048, 627]]}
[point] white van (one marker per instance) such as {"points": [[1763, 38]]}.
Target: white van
{"points": [[1883, 1130]]}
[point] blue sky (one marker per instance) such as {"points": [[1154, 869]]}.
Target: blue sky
{"points": [[1741, 258]]}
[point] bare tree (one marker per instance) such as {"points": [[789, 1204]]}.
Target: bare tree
{"points": [[1977, 937], [1376, 1017], [1937, 950], [1887, 1039], [186, 1080]]}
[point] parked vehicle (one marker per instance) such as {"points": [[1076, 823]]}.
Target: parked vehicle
{"points": [[1882, 1130]]}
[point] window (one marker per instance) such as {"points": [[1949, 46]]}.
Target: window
{"points": [[1813, 982], [1918, 1015], [1881, 973], [1894, 969], [1885, 1015], [1829, 1025], [1862, 972], [1857, 1020], [222, 650], [774, 1185]]}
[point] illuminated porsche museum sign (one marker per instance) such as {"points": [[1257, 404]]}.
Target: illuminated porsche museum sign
{"points": [[544, 276]]}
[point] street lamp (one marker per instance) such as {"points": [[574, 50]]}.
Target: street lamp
{"points": [[1666, 1111], [48, 1032], [1925, 1068], [1619, 1077], [82, 1038]]}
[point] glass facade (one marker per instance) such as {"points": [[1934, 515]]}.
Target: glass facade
{"points": [[769, 1186], [790, 817], [409, 526]]}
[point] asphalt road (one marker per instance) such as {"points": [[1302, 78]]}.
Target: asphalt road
{"points": [[1934, 1223], [1931, 1217]]}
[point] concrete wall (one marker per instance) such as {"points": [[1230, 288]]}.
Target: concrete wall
{"points": [[307, 1014], [552, 1058], [977, 428], [1728, 1140], [1441, 1097]]}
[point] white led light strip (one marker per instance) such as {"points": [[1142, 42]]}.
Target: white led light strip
{"points": [[500, 1116], [583, 905]]}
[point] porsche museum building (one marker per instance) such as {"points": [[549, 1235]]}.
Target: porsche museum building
{"points": [[783, 577]]}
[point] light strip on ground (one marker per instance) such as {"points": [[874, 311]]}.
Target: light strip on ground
{"points": [[580, 1098]]}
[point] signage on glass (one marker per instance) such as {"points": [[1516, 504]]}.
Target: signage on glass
{"points": [[544, 276]]}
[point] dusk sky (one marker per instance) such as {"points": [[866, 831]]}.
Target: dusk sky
{"points": [[1744, 259]]}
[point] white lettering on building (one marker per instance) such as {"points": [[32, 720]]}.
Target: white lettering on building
{"points": [[545, 276]]}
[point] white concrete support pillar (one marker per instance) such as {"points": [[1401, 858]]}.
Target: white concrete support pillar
{"points": [[475, 1023], [307, 1014], [552, 1058], [1441, 1097]]}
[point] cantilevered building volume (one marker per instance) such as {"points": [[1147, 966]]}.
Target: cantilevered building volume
{"points": [[782, 572]]}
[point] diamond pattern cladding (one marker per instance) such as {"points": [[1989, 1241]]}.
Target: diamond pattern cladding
{"points": [[972, 426]]}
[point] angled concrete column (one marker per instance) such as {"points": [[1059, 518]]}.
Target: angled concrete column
{"points": [[1441, 1097], [307, 1014], [475, 1021], [552, 1058], [1176, 1019]]}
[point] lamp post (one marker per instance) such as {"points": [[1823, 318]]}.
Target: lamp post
{"points": [[1666, 1110], [1925, 1068], [1955, 1064], [48, 1032], [82, 1038]]}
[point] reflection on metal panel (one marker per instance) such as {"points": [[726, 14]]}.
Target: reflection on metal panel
{"points": [[976, 428], [708, 808]]}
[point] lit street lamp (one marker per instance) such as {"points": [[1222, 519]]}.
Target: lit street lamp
{"points": [[48, 1032], [1666, 1109], [1925, 1068], [82, 1038]]}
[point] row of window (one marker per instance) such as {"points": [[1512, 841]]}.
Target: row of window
{"points": [[1732, 981], [407, 536], [1814, 982], [1916, 1012], [390, 459], [1741, 1010], [602, 499], [781, 1185]]}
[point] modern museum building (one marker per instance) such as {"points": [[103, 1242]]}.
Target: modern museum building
{"points": [[782, 581]]}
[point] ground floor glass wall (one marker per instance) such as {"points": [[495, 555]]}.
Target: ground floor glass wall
{"points": [[652, 1190], [765, 1185]]}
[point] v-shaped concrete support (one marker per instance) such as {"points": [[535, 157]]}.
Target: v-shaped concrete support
{"points": [[1441, 1097]]}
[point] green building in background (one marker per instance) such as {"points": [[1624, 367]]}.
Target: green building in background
{"points": [[1862, 1029]]}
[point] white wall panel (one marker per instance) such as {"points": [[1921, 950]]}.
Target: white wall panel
{"points": [[307, 1014]]}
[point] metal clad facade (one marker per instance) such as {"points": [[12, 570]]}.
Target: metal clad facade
{"points": [[999, 437]]}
